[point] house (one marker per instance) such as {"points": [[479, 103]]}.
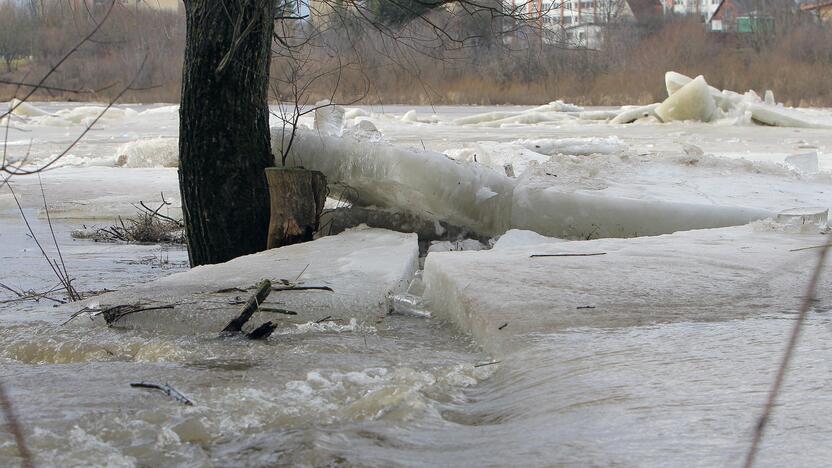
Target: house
{"points": [[699, 8], [820, 10], [742, 16], [581, 23]]}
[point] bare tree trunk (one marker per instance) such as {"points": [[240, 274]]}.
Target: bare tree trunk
{"points": [[224, 144]]}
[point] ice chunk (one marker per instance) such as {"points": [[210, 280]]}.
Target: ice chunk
{"points": [[805, 163], [553, 112], [24, 109], [675, 81], [505, 297], [410, 116], [769, 98], [557, 106], [575, 146], [364, 267], [350, 114], [693, 101], [456, 246], [599, 115], [413, 117], [520, 238], [153, 152], [630, 114], [329, 118], [816, 216], [366, 125], [411, 305], [782, 117], [498, 155]]}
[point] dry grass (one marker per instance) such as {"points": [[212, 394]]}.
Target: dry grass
{"points": [[794, 62]]}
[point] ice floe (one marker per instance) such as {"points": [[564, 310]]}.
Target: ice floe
{"points": [[505, 297], [362, 267]]}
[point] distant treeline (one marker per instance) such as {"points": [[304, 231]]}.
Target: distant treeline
{"points": [[346, 60]]}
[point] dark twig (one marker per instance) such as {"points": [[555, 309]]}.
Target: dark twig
{"points": [[262, 332], [251, 306], [484, 364], [805, 305], [116, 313], [277, 311], [302, 288], [167, 389], [73, 295], [568, 255]]}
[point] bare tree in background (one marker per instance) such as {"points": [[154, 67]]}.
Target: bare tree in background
{"points": [[15, 37]]}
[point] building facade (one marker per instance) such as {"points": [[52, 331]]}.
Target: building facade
{"points": [[581, 23]]}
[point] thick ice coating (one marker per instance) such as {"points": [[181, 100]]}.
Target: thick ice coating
{"points": [[431, 185], [363, 267], [425, 183], [505, 297]]}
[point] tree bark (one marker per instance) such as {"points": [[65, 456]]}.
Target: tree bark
{"points": [[297, 201], [224, 144]]}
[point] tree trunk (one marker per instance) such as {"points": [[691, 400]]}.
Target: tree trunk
{"points": [[224, 144], [297, 201]]}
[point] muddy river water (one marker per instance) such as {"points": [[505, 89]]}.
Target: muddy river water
{"points": [[402, 390]]}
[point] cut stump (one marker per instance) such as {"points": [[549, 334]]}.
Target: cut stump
{"points": [[297, 200]]}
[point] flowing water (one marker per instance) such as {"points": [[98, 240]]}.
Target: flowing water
{"points": [[403, 391]]}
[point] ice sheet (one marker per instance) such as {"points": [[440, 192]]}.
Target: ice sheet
{"points": [[504, 297], [363, 266]]}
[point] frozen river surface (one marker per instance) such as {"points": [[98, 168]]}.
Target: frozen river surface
{"points": [[405, 390]]}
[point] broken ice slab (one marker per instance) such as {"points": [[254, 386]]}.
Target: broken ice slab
{"points": [[629, 114], [783, 117], [804, 163], [813, 216], [363, 267], [506, 297]]}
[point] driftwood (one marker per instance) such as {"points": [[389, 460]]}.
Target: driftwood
{"points": [[568, 255], [297, 200], [167, 389], [273, 310], [302, 288], [262, 332], [251, 306]]}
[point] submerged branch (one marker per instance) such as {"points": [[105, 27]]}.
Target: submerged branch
{"points": [[167, 389]]}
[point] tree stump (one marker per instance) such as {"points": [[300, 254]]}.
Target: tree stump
{"points": [[297, 199]]}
